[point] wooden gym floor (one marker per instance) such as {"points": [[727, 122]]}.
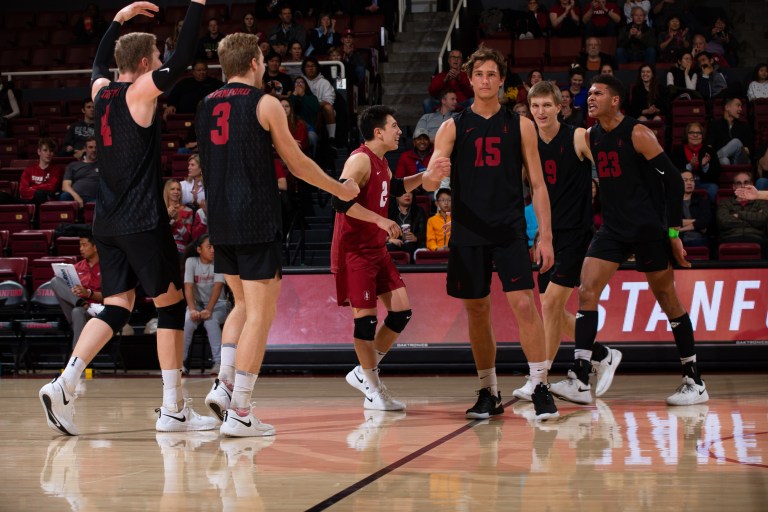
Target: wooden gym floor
{"points": [[627, 452]]}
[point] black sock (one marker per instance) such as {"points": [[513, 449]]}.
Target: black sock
{"points": [[682, 330], [599, 352], [582, 367], [691, 370], [586, 329]]}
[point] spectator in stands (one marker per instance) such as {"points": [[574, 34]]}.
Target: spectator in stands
{"points": [[324, 36], [170, 41], [180, 216], [665, 9], [743, 220], [90, 26], [534, 22], [732, 138], [681, 78], [758, 87], [297, 127], [569, 114], [608, 69], [325, 93], [565, 19], [413, 224], [267, 9], [286, 29], [601, 18], [597, 210], [294, 55], [762, 168], [722, 41], [281, 48], [188, 92], [576, 86], [673, 41], [306, 105], [697, 214], [9, 107], [699, 45], [710, 82], [208, 45], [264, 45], [646, 97], [534, 76], [636, 41], [275, 82], [698, 158], [593, 59], [81, 179], [205, 301], [430, 123], [192, 189], [522, 110], [645, 5], [354, 62], [81, 302], [416, 159], [248, 25], [454, 80], [439, 225], [79, 131], [41, 182]]}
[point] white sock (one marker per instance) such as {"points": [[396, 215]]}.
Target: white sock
{"points": [[538, 372], [72, 373], [488, 380], [243, 390], [372, 378], [331, 130], [548, 362], [580, 353], [173, 398], [227, 368], [379, 357], [691, 359]]}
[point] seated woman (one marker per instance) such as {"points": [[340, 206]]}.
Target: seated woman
{"points": [[306, 106], [699, 158], [569, 114], [412, 221], [322, 37], [205, 301], [295, 54], [682, 79], [297, 126], [758, 87], [180, 216], [697, 214], [192, 189], [646, 100]]}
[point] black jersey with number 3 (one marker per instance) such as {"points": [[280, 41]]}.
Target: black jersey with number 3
{"points": [[486, 180], [238, 169], [130, 198], [568, 179], [631, 189]]}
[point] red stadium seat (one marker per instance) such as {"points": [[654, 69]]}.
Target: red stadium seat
{"points": [[427, 257], [529, 52], [32, 244], [68, 246], [16, 217], [400, 257], [564, 50], [697, 253], [43, 272], [739, 251], [53, 213], [13, 269]]}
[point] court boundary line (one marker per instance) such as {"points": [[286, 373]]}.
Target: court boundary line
{"points": [[360, 484]]}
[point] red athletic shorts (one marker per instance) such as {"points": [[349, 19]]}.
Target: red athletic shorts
{"points": [[365, 276]]}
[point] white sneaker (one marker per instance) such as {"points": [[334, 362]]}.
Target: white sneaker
{"points": [[218, 399], [94, 309], [381, 400], [59, 407], [356, 379], [184, 421], [605, 370], [525, 392], [689, 393], [572, 390], [244, 426]]}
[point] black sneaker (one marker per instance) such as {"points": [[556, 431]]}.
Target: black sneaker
{"points": [[543, 403], [486, 406]]}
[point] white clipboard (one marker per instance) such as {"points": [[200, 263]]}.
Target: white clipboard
{"points": [[67, 272]]}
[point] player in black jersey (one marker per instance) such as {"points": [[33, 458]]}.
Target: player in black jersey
{"points": [[489, 146], [641, 194], [567, 164], [236, 126], [131, 226]]}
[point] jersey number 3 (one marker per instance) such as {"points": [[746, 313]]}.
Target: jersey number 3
{"points": [[220, 135], [608, 164], [487, 152], [106, 130]]}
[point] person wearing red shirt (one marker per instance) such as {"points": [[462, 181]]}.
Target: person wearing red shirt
{"points": [[41, 181], [453, 80], [601, 18], [415, 160]]}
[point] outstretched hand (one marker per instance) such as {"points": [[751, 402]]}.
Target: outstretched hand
{"points": [[128, 12], [678, 251]]}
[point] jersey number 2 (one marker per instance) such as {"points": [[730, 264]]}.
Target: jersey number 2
{"points": [[487, 152], [220, 135], [383, 198]]}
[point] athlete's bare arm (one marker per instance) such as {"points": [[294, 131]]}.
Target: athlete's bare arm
{"points": [[545, 254], [357, 169], [273, 119], [440, 163], [581, 143]]}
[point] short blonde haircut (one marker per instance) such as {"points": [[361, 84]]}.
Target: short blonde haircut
{"points": [[133, 47], [543, 89], [236, 52]]}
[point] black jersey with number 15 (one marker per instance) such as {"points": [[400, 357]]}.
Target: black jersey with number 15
{"points": [[486, 180], [631, 189]]}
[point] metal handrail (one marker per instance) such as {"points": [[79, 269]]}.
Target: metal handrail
{"points": [[447, 40]]}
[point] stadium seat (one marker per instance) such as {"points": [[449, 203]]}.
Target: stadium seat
{"points": [[697, 253], [53, 213], [503, 45], [427, 257], [68, 245], [32, 244], [42, 271], [739, 251], [13, 269], [400, 257], [51, 19], [686, 111], [5, 235], [16, 217], [529, 52], [564, 50]]}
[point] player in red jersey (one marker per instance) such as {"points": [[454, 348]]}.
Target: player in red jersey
{"points": [[362, 266]]}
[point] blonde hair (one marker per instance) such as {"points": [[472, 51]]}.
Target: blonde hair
{"points": [[196, 158], [167, 190], [543, 89], [133, 47], [482, 54], [236, 52]]}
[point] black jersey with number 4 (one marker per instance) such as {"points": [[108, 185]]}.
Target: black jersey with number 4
{"points": [[238, 169], [130, 198], [569, 181], [631, 189], [486, 180]]}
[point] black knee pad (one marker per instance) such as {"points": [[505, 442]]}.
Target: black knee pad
{"points": [[397, 320], [172, 317], [365, 328], [114, 316]]}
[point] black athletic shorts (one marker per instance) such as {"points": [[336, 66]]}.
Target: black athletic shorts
{"points": [[650, 255], [251, 262], [148, 258], [570, 248], [470, 269]]}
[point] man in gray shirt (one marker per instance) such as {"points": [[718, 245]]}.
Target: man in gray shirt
{"points": [[81, 179], [431, 122]]}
